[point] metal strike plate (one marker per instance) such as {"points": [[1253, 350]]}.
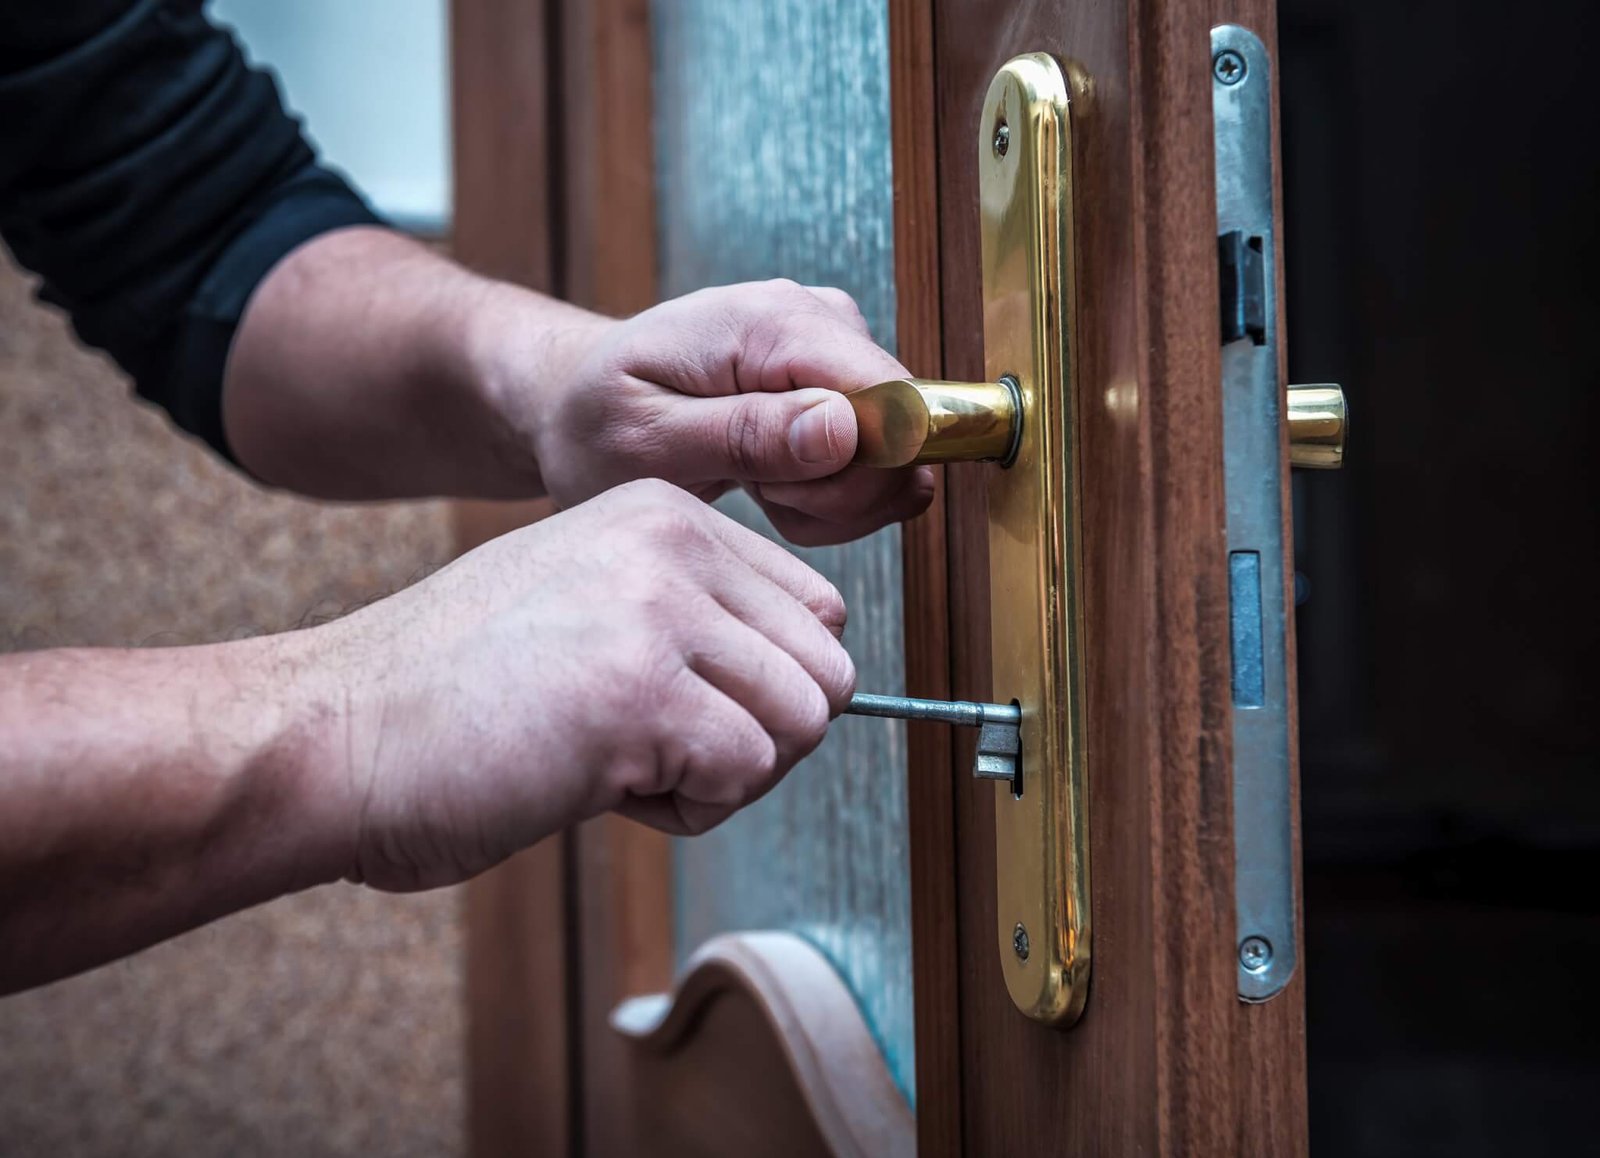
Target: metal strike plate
{"points": [[1029, 301], [1253, 404]]}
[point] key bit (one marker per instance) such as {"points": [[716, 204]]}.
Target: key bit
{"points": [[999, 727]]}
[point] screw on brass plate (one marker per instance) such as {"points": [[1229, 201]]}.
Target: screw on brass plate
{"points": [[1002, 139], [1255, 953], [1228, 67], [1019, 942]]}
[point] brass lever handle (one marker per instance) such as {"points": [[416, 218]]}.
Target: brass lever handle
{"points": [[909, 420], [1317, 422]]}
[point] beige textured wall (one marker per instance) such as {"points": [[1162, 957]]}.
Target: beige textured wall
{"points": [[325, 1024]]}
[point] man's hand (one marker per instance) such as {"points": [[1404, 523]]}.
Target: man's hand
{"points": [[739, 385], [640, 653], [368, 366]]}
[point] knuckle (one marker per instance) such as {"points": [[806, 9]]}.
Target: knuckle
{"points": [[738, 768], [699, 819], [746, 438], [651, 493], [827, 604], [841, 682], [672, 530], [630, 771], [760, 767], [841, 300], [835, 675], [812, 716], [785, 287]]}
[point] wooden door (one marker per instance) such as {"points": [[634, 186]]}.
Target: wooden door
{"points": [[764, 1047], [1166, 1058]]}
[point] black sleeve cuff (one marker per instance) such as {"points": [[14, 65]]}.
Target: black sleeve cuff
{"points": [[313, 202], [152, 179]]}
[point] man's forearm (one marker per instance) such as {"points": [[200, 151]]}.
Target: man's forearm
{"points": [[368, 366], [143, 793]]}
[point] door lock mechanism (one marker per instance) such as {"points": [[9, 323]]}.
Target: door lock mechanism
{"points": [[1024, 422], [916, 420]]}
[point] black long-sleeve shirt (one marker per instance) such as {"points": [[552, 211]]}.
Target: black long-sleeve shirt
{"points": [[152, 179]]}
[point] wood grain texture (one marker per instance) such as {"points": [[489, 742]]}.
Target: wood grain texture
{"points": [[624, 936], [607, 155], [1091, 1090], [760, 1049], [520, 1044], [502, 93], [607, 262], [1166, 1059], [520, 1089], [930, 763]]}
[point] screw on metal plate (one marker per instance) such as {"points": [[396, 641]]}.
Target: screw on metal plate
{"points": [[1255, 953], [1019, 942], [1228, 67], [1002, 139], [999, 728]]}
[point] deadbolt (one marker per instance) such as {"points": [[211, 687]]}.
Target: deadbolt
{"points": [[1317, 421]]}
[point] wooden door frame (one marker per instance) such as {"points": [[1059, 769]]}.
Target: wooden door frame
{"points": [[518, 944], [554, 189], [934, 770]]}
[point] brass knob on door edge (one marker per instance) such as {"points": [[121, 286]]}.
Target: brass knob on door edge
{"points": [[1317, 421], [911, 420]]}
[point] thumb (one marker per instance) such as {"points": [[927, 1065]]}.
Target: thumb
{"points": [[783, 436]]}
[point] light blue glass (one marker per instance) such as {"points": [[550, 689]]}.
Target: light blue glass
{"points": [[773, 159], [372, 80]]}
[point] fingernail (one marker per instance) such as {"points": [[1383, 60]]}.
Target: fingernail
{"points": [[812, 437]]}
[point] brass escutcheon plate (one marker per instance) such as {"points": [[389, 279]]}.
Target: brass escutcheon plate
{"points": [[1029, 304]]}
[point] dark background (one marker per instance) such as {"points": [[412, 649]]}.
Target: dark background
{"points": [[1441, 168]]}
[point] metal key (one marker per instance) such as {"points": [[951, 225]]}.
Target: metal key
{"points": [[999, 727]]}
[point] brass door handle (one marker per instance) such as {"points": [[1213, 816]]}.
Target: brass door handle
{"points": [[911, 420]]}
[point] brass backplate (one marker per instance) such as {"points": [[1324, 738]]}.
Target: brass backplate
{"points": [[1029, 303]]}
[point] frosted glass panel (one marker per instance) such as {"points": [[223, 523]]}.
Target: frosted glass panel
{"points": [[772, 122]]}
